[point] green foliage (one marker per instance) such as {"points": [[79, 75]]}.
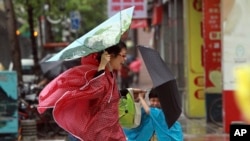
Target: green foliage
{"points": [[20, 8], [93, 12]]}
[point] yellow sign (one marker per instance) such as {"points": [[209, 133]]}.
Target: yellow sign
{"points": [[194, 100]]}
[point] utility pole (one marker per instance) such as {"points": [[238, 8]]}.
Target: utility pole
{"points": [[13, 40]]}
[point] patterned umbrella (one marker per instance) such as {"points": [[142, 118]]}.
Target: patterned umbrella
{"points": [[101, 37]]}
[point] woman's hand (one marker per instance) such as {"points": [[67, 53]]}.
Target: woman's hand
{"points": [[105, 58]]}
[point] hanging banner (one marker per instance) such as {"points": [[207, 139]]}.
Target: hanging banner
{"points": [[194, 99]]}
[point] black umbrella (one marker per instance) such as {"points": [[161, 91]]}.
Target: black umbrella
{"points": [[164, 83], [52, 69]]}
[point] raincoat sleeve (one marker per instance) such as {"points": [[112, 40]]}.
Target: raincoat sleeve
{"points": [[162, 131], [74, 82]]}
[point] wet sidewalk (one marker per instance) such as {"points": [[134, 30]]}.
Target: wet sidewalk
{"points": [[193, 129], [200, 130]]}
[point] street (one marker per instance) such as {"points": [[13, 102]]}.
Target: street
{"points": [[204, 87]]}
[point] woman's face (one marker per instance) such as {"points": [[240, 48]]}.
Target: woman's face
{"points": [[116, 62]]}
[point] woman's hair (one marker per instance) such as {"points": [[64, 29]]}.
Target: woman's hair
{"points": [[152, 94], [115, 50]]}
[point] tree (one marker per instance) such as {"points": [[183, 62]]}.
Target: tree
{"points": [[87, 8], [28, 11], [60, 9], [14, 44]]}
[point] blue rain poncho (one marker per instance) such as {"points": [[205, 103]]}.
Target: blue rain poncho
{"points": [[154, 123]]}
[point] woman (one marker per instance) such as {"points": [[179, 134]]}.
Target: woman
{"points": [[85, 98]]}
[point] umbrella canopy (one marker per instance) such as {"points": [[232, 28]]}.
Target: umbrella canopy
{"points": [[164, 84], [52, 69], [101, 37]]}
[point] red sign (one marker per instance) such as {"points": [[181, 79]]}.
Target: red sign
{"points": [[212, 42], [139, 23], [140, 10], [157, 14]]}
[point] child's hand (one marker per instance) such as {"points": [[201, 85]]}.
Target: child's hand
{"points": [[137, 92], [142, 95], [139, 97]]}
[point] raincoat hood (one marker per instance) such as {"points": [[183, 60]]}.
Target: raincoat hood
{"points": [[90, 59]]}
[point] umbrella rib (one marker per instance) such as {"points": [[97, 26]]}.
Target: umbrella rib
{"points": [[120, 22]]}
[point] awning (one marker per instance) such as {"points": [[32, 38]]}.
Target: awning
{"points": [[139, 23], [55, 44]]}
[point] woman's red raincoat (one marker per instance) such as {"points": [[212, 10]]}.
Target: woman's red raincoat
{"points": [[84, 105]]}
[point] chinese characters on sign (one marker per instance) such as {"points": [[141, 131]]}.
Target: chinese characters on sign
{"points": [[212, 45], [140, 10]]}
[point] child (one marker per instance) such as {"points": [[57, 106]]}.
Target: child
{"points": [[153, 121]]}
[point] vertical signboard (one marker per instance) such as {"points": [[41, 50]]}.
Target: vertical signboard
{"points": [[8, 103], [235, 53], [194, 98], [212, 45], [212, 59]]}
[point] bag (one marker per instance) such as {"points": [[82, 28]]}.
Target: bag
{"points": [[129, 111]]}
